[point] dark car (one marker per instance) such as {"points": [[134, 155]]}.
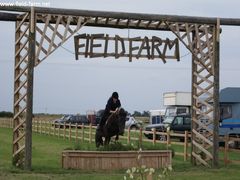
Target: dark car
{"points": [[177, 124], [73, 119]]}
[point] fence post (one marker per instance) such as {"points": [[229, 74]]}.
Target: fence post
{"points": [[226, 139], [76, 132], [185, 145], [58, 130], [44, 127], [82, 132], [70, 131], [140, 137], [54, 129], [37, 124], [168, 138], [41, 126], [49, 128], [34, 125], [64, 133], [154, 136], [128, 136], [90, 133]]}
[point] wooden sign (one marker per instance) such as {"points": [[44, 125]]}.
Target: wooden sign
{"points": [[101, 45]]}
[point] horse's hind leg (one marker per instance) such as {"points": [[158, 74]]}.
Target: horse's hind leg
{"points": [[106, 141]]}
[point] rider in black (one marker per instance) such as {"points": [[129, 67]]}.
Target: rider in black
{"points": [[112, 105]]}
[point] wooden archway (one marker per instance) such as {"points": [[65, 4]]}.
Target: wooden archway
{"points": [[33, 44]]}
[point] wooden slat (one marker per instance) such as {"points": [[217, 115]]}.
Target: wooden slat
{"points": [[23, 45], [19, 138], [20, 86], [20, 149], [198, 157], [20, 74], [45, 35], [202, 125], [53, 35], [79, 23], [22, 21], [203, 78], [19, 112], [202, 149], [23, 33], [19, 99], [42, 35], [202, 137], [16, 128], [42, 49], [67, 28], [188, 37]]}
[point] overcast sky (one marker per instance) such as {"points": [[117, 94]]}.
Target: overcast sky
{"points": [[64, 85]]}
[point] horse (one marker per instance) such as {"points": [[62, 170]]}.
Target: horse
{"points": [[114, 126]]}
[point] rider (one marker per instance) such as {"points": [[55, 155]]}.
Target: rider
{"points": [[112, 105]]}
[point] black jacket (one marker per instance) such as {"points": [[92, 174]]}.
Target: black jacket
{"points": [[111, 106]]}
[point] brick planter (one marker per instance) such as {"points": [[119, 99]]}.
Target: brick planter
{"points": [[112, 160]]}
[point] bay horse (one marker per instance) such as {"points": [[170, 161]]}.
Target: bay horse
{"points": [[114, 126]]}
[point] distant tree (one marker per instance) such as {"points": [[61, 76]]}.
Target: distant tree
{"points": [[137, 113], [145, 114]]}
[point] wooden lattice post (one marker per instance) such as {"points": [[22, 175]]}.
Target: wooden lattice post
{"points": [[19, 107], [201, 41], [23, 90], [33, 44], [216, 111], [29, 110]]}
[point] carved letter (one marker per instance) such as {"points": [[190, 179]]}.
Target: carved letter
{"points": [[143, 46], [131, 48], [92, 45], [78, 45], [156, 42], [118, 38]]}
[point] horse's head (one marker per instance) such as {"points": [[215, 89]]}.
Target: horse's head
{"points": [[122, 114]]}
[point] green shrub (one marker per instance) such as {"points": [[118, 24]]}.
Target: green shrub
{"points": [[117, 146]]}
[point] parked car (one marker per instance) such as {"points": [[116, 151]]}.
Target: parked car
{"points": [[177, 124], [73, 119], [132, 123]]}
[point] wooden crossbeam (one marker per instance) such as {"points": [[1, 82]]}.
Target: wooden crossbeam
{"points": [[116, 15]]}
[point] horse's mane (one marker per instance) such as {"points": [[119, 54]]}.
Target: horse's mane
{"points": [[111, 118], [114, 116]]}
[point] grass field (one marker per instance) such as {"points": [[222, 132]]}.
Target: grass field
{"points": [[46, 163]]}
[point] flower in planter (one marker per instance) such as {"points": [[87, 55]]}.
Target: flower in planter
{"points": [[143, 173]]}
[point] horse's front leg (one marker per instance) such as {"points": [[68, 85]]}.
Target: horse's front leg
{"points": [[98, 139]]}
